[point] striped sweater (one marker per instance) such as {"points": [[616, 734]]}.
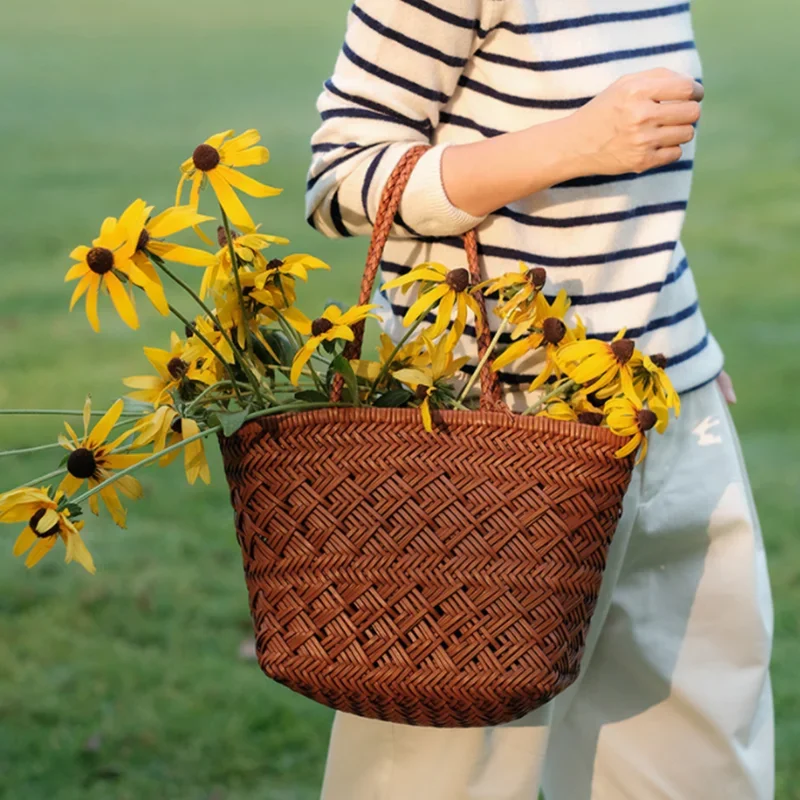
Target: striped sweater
{"points": [[455, 71]]}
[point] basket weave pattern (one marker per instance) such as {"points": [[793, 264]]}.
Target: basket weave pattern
{"points": [[444, 579], [441, 580]]}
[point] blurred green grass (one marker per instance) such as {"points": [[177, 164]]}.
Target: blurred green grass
{"points": [[129, 685]]}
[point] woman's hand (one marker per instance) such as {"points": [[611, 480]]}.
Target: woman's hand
{"points": [[726, 387], [638, 123]]}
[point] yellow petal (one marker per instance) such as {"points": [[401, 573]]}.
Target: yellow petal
{"points": [[107, 422], [24, 541], [76, 271], [77, 551], [39, 551], [425, 410], [113, 505], [240, 142], [91, 305], [301, 359], [244, 183], [237, 213], [175, 219], [424, 302], [182, 255], [83, 285], [253, 157], [121, 301]]}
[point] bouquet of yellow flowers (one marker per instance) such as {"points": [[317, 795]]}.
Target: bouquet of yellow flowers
{"points": [[249, 352]]}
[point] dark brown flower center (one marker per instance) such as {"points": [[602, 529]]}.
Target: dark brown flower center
{"points": [[537, 277], [554, 330], [100, 260], [178, 368], [36, 519], [590, 418], [623, 350], [422, 392], [81, 463], [457, 279], [177, 425], [319, 327], [646, 419], [205, 157], [144, 240], [188, 332], [222, 236], [659, 360], [275, 263]]}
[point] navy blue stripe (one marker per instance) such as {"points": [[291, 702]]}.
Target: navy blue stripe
{"points": [[326, 147], [390, 77], [406, 41], [593, 19], [336, 215], [312, 182], [402, 223], [690, 353], [701, 385], [424, 126], [368, 180], [586, 299], [590, 219], [600, 180], [446, 118], [585, 61], [654, 324], [524, 102], [445, 16], [359, 113], [554, 261], [310, 221]]}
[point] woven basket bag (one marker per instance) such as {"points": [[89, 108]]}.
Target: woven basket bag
{"points": [[444, 579]]}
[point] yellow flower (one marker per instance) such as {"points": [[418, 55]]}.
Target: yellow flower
{"points": [[175, 374], [409, 355], [652, 384], [277, 277], [428, 381], [442, 287], [517, 291], [216, 160], [333, 324], [599, 363], [246, 246], [229, 309], [101, 265], [44, 525], [150, 242], [92, 458], [627, 416], [198, 353], [164, 428]]}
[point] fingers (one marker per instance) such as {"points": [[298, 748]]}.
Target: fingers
{"points": [[726, 387], [664, 84], [667, 155], [669, 136], [677, 113]]}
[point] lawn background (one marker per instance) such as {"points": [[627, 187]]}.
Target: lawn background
{"points": [[128, 685]]}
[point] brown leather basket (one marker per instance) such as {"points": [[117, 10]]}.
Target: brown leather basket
{"points": [[444, 579]]}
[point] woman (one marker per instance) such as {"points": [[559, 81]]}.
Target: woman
{"points": [[565, 134]]}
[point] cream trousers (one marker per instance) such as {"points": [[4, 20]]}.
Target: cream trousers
{"points": [[674, 699]]}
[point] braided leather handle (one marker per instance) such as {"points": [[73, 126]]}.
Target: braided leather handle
{"points": [[491, 396]]}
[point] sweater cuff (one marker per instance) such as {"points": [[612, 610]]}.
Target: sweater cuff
{"points": [[425, 206]]}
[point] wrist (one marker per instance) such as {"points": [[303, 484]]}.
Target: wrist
{"points": [[571, 148]]}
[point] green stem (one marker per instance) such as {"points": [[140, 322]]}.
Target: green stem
{"points": [[482, 363], [209, 389], [41, 478], [264, 412], [561, 389], [389, 361]]}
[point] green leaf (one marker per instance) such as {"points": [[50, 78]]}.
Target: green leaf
{"points": [[397, 398], [137, 407], [231, 421], [74, 509], [342, 366], [311, 396], [282, 347], [328, 346]]}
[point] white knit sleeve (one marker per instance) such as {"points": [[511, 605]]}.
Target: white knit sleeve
{"points": [[398, 67]]}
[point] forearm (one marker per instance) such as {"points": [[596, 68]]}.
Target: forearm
{"points": [[481, 177]]}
